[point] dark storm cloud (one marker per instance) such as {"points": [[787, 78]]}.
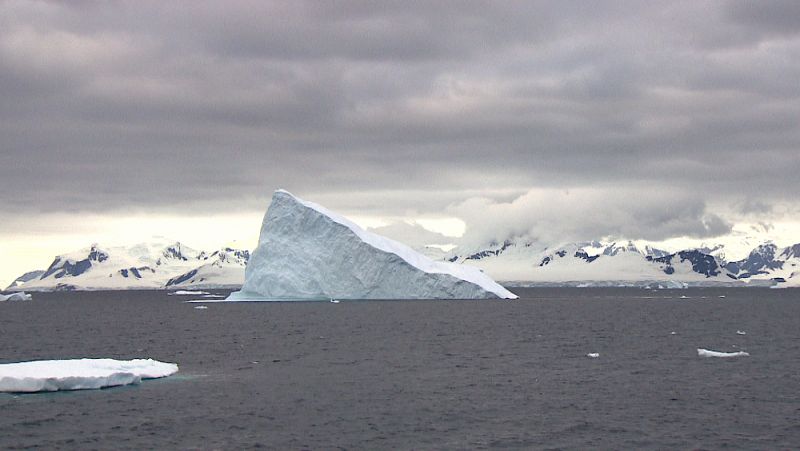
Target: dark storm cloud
{"points": [[166, 105], [770, 18]]}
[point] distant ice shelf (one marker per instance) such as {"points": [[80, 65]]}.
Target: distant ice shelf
{"points": [[79, 374]]}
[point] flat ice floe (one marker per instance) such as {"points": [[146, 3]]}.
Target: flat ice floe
{"points": [[79, 374], [187, 293], [708, 353]]}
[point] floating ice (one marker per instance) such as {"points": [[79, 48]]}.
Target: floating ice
{"points": [[21, 296], [79, 374], [306, 252], [708, 353], [673, 284], [201, 307], [741, 332], [186, 293], [593, 355], [673, 333]]}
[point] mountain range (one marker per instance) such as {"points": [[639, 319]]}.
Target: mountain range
{"points": [[594, 263], [152, 265], [168, 265]]}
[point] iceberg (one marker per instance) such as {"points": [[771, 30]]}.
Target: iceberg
{"points": [[708, 353], [306, 252], [79, 374], [20, 296]]}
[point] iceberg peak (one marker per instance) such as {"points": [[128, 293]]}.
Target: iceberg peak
{"points": [[307, 252]]}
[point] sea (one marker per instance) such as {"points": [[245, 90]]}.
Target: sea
{"points": [[434, 375]]}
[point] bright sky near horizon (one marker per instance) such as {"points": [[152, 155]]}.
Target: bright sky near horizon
{"points": [[669, 122]]}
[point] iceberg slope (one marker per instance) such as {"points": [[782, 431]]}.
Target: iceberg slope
{"points": [[79, 374], [307, 252]]}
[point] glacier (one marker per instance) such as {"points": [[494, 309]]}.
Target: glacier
{"points": [[306, 252], [79, 374]]}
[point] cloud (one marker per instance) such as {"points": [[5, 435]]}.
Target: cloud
{"points": [[552, 216], [401, 109], [412, 234], [754, 207]]}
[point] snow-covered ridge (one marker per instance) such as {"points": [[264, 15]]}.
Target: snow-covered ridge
{"points": [[152, 265], [307, 252], [595, 263]]}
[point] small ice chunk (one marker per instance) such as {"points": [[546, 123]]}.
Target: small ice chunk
{"points": [[684, 297], [673, 333], [201, 307], [79, 374], [593, 355], [708, 353], [741, 332], [334, 301], [186, 293], [721, 296], [20, 296]]}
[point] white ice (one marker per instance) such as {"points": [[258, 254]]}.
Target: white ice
{"points": [[201, 307], [708, 353], [741, 332], [593, 355], [21, 296], [186, 293], [307, 252], [79, 374]]}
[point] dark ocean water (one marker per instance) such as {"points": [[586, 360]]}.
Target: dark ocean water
{"points": [[418, 374]]}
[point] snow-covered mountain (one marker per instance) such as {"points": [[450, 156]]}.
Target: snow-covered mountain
{"points": [[30, 275], [223, 269], [163, 264], [598, 263], [769, 262], [151, 265]]}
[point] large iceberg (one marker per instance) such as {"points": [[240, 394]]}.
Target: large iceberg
{"points": [[306, 252], [79, 374]]}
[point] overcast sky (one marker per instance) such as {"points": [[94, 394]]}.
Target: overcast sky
{"points": [[549, 120]]}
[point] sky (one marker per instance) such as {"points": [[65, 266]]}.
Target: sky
{"points": [[548, 121]]}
